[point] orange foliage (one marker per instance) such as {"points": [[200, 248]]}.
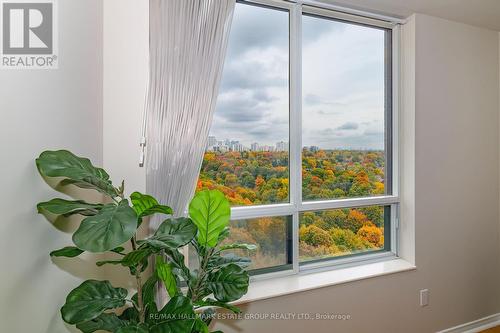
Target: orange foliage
{"points": [[250, 178]]}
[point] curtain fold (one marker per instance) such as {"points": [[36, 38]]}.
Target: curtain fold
{"points": [[188, 41]]}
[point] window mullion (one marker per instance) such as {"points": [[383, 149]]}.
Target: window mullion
{"points": [[348, 203], [296, 123]]}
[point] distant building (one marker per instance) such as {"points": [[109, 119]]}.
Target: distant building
{"points": [[236, 146], [226, 145], [314, 149], [221, 148], [266, 148], [212, 141], [281, 146]]}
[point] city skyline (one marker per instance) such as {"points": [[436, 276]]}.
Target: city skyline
{"points": [[227, 144], [235, 145]]}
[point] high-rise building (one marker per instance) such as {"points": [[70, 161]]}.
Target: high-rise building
{"points": [[212, 141], [236, 146], [254, 146], [282, 146], [266, 148]]}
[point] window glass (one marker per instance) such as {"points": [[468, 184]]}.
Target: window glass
{"points": [[247, 150], [343, 110], [341, 232], [272, 235]]}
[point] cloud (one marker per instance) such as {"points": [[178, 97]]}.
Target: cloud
{"points": [[314, 28], [240, 106], [350, 125], [312, 99], [373, 132], [343, 80], [257, 27]]}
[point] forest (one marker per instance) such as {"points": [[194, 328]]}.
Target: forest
{"points": [[257, 178]]}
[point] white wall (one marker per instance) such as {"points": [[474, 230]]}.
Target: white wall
{"points": [[126, 49], [125, 75], [46, 109], [456, 201]]}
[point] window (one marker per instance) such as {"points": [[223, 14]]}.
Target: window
{"points": [[302, 138], [247, 150]]}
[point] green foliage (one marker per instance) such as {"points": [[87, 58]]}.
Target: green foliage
{"points": [[104, 322], [176, 316], [315, 236], [172, 233], [231, 258], [210, 212], [145, 205], [347, 241], [134, 328], [75, 170], [68, 251], [69, 207], [93, 306], [112, 226], [228, 283], [249, 247], [90, 299], [164, 272]]}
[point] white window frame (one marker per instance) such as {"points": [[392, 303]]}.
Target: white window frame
{"points": [[296, 205]]}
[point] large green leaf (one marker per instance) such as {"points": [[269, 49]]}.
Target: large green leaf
{"points": [[211, 302], [108, 262], [175, 317], [145, 205], [111, 227], [135, 257], [178, 264], [137, 328], [229, 283], [90, 299], [238, 246], [106, 322], [78, 171], [68, 251], [210, 211], [172, 234], [68, 207], [224, 234], [164, 272], [149, 289], [200, 326], [220, 261]]}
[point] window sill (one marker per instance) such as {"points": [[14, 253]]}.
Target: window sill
{"points": [[280, 286]]}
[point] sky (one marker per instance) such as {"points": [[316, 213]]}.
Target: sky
{"points": [[342, 82]]}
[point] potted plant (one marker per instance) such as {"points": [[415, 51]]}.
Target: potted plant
{"points": [[107, 227]]}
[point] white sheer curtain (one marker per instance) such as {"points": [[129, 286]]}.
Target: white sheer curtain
{"points": [[188, 41]]}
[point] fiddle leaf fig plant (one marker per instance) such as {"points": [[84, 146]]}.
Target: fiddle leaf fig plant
{"points": [[107, 227]]}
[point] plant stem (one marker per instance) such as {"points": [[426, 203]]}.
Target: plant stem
{"points": [[201, 276], [140, 301], [133, 240]]}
